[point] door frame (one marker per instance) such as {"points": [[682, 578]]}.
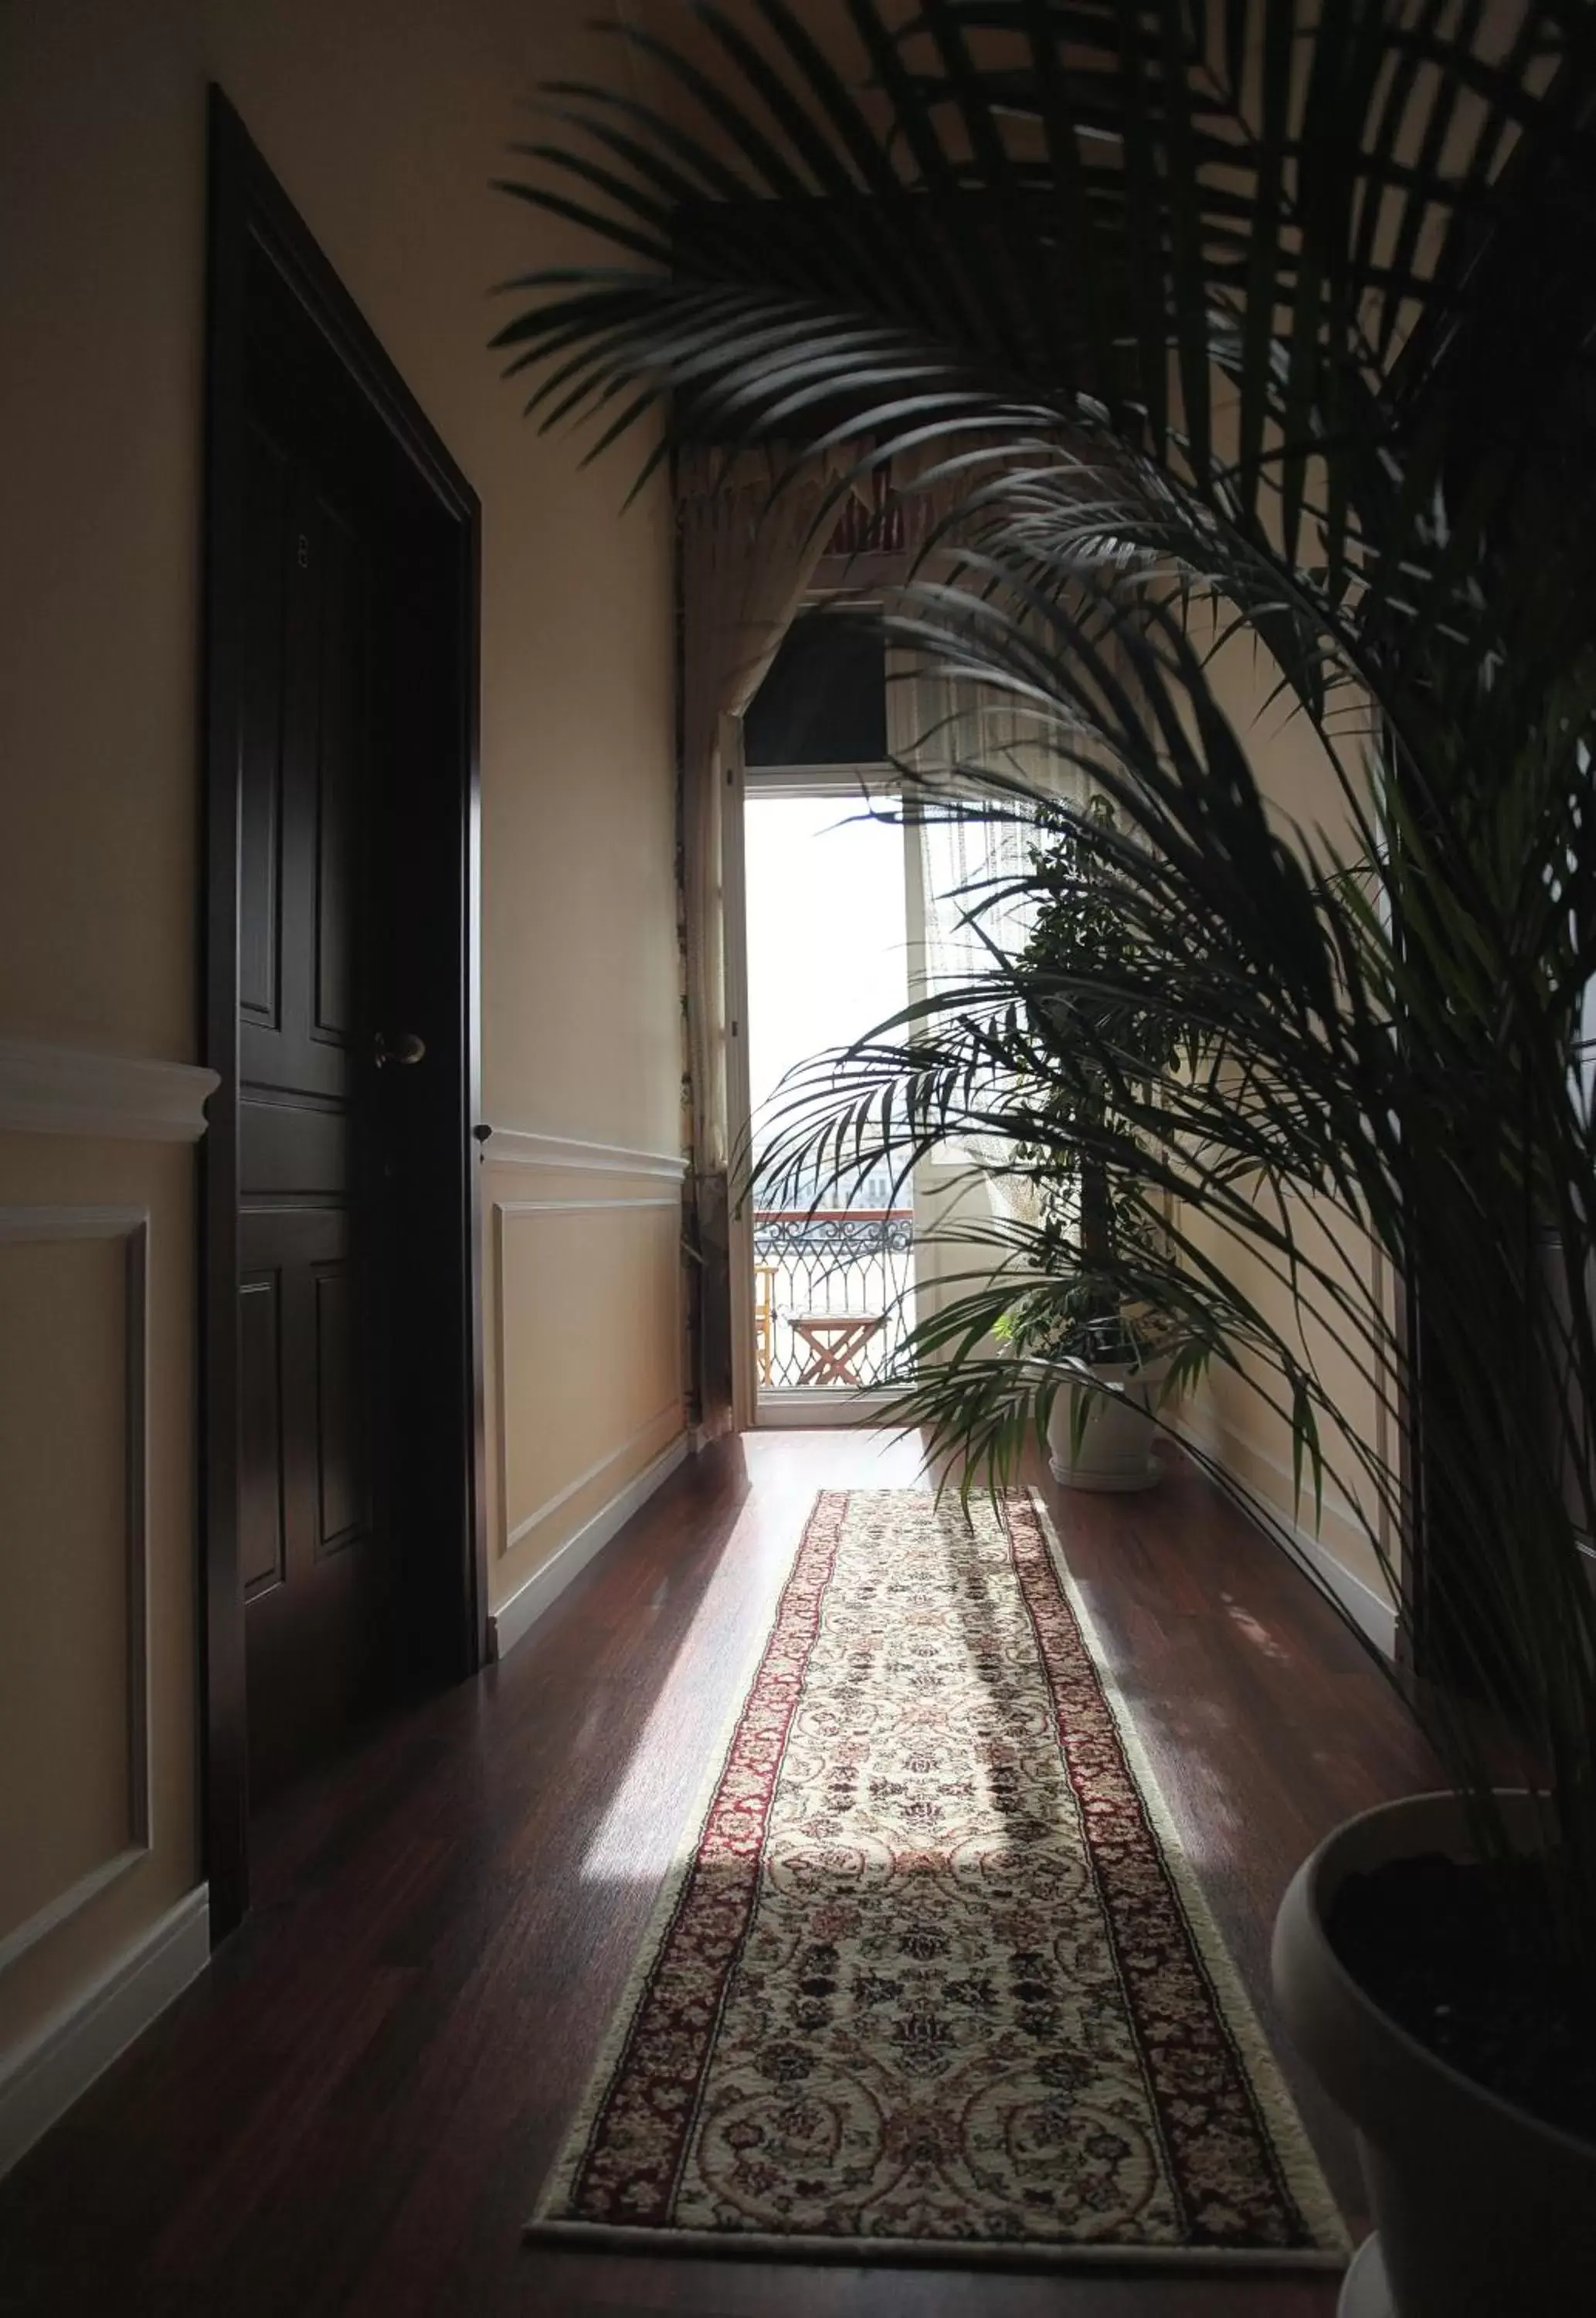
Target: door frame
{"points": [[248, 211], [754, 1407]]}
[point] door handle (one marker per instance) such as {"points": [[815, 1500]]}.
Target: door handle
{"points": [[406, 1049]]}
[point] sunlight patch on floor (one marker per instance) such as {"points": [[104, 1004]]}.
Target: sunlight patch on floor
{"points": [[651, 1824]]}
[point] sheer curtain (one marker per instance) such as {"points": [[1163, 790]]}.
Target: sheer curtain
{"points": [[747, 554], [971, 841], [975, 840]]}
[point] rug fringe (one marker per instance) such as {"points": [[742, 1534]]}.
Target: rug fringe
{"points": [[949, 2253]]}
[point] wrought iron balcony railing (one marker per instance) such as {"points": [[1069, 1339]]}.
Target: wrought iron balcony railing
{"points": [[833, 1293]]}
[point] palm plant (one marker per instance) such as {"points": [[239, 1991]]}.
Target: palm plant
{"points": [[1040, 1051], [1080, 937], [1199, 322], [1117, 1102]]}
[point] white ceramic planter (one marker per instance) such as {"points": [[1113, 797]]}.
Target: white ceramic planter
{"points": [[1115, 1452], [1483, 2212]]}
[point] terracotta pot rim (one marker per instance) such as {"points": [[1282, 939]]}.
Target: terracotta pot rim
{"points": [[1314, 1870]]}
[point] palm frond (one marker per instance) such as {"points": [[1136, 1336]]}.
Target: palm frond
{"points": [[1200, 321]]}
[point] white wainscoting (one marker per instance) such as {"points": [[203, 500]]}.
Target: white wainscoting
{"points": [[49, 1089], [50, 1225], [1370, 1611], [41, 2080], [602, 1178]]}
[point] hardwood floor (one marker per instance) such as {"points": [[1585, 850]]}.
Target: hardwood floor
{"points": [[351, 2112]]}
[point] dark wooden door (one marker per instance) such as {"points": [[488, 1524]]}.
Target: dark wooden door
{"points": [[340, 1407], [316, 1555]]}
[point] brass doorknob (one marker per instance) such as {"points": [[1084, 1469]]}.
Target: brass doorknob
{"points": [[407, 1048]]}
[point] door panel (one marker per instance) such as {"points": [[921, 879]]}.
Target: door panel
{"points": [[293, 1143], [342, 1495], [317, 1564], [260, 797], [300, 763], [261, 1507]]}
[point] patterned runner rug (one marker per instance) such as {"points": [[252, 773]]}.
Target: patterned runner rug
{"points": [[936, 1983]]}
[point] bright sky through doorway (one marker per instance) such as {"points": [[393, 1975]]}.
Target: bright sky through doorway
{"points": [[828, 954]]}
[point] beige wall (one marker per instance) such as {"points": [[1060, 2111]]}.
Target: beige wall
{"points": [[1239, 1418], [583, 1333], [384, 119], [1230, 1413]]}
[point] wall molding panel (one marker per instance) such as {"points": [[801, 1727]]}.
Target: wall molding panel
{"points": [[516, 1618], [46, 1225], [583, 1293], [48, 1090], [512, 1530], [43, 2078], [514, 1147]]}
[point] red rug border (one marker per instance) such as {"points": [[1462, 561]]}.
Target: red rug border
{"points": [[1123, 1837]]}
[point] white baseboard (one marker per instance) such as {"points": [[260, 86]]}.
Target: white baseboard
{"points": [[41, 2080], [1369, 1610], [797, 1408], [525, 1606]]}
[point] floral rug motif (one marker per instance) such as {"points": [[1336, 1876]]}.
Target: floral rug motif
{"points": [[935, 1982]]}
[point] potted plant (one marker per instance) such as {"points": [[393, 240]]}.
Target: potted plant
{"points": [[1110, 1360], [1407, 1967], [1103, 1427], [1269, 322]]}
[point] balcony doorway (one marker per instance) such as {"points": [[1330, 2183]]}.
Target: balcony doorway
{"points": [[830, 944]]}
